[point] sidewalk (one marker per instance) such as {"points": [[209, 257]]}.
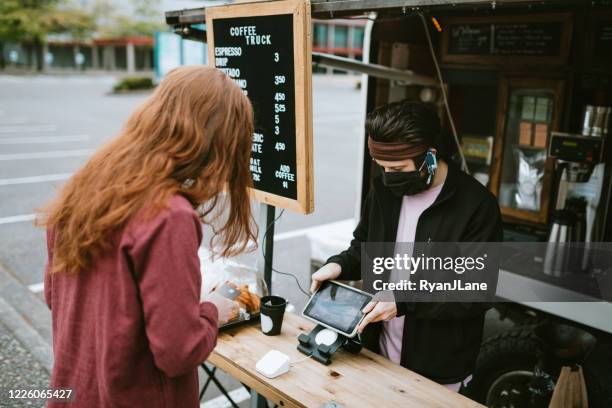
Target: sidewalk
{"points": [[27, 318], [19, 369]]}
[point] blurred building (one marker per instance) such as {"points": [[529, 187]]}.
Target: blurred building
{"points": [[163, 51], [133, 54], [128, 54], [338, 37]]}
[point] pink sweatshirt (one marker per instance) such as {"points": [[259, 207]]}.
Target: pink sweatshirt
{"points": [[131, 331], [412, 207], [393, 330]]}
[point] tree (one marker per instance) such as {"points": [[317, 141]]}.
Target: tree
{"points": [[145, 19], [30, 21]]}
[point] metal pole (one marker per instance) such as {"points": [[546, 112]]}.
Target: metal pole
{"points": [[265, 241], [375, 70]]}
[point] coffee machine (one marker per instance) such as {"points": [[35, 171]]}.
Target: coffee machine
{"points": [[580, 181]]}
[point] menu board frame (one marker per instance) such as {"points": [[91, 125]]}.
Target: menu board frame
{"points": [[302, 58], [565, 40], [591, 42]]}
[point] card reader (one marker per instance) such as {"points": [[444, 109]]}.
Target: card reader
{"points": [[273, 364]]}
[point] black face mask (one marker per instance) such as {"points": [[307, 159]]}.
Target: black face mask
{"points": [[403, 183]]}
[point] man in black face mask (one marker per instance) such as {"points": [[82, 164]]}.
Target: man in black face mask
{"points": [[407, 177], [418, 198]]}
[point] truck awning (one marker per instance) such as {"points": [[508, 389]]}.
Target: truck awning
{"points": [[328, 9]]}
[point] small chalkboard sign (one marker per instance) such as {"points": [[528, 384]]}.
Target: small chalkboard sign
{"points": [[470, 39], [266, 48], [507, 39], [601, 56]]}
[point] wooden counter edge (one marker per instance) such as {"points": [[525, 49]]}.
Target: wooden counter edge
{"points": [[261, 386]]}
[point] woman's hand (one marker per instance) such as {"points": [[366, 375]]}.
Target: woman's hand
{"points": [[377, 311], [228, 309], [327, 272]]}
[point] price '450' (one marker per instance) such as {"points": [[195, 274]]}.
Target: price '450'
{"points": [[279, 146], [279, 96]]}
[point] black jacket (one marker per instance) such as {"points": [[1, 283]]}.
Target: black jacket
{"points": [[441, 340]]}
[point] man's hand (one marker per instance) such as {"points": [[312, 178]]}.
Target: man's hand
{"points": [[327, 272], [377, 311]]}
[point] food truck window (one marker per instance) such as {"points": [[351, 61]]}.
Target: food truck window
{"points": [[529, 116], [528, 110]]}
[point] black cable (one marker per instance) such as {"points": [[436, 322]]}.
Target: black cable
{"points": [[263, 243], [297, 282], [451, 121]]}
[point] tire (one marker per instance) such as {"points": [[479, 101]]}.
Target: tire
{"points": [[508, 359], [504, 368]]}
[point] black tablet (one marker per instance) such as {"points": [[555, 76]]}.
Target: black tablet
{"points": [[337, 307]]}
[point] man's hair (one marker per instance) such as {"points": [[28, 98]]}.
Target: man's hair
{"points": [[408, 121]]}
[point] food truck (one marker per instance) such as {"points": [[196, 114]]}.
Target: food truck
{"points": [[524, 90]]}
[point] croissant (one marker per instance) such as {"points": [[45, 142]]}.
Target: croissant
{"points": [[235, 313], [250, 301]]}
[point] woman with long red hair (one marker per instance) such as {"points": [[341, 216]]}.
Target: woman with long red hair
{"points": [[123, 274]]}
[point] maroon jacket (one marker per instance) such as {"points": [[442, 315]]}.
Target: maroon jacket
{"points": [[131, 331]]}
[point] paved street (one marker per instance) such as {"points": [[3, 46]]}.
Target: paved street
{"points": [[50, 125]]}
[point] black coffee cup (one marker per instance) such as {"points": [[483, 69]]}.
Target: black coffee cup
{"points": [[271, 313]]}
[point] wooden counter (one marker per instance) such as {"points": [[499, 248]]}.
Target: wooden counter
{"points": [[362, 380]]}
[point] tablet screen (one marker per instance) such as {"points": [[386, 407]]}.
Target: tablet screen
{"points": [[337, 306]]}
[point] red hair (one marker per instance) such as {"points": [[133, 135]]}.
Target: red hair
{"points": [[191, 137]]}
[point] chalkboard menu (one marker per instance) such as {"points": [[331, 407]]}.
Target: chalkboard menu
{"points": [[262, 46], [602, 56], [507, 39]]}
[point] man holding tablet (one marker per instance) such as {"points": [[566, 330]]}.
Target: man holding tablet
{"points": [[418, 198], [337, 307]]}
